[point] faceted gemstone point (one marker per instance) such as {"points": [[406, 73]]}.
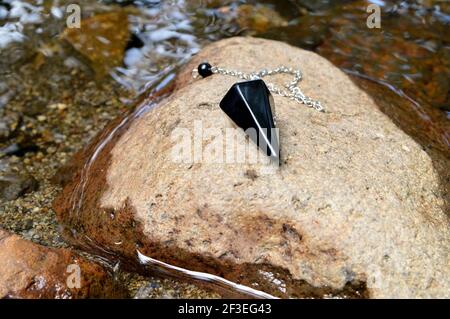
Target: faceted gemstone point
{"points": [[249, 105]]}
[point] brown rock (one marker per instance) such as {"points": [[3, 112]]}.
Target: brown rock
{"points": [[15, 183], [32, 271], [356, 208], [102, 39], [259, 18], [8, 124]]}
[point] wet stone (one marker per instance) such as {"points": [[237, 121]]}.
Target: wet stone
{"points": [[15, 182], [35, 106], [8, 125], [102, 39], [259, 18], [31, 271], [19, 149]]}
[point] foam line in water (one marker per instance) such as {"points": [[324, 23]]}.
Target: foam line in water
{"points": [[145, 260]]}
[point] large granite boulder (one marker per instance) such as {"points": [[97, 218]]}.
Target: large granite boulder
{"points": [[355, 209], [32, 271]]}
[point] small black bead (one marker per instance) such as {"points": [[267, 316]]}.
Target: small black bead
{"points": [[204, 69]]}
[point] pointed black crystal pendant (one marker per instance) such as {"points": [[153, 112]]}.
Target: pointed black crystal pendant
{"points": [[249, 104]]}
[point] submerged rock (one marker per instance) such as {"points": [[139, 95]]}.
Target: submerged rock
{"points": [[259, 18], [8, 124], [102, 38], [355, 209], [32, 271], [15, 183]]}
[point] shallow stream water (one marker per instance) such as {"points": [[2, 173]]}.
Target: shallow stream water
{"points": [[57, 90]]}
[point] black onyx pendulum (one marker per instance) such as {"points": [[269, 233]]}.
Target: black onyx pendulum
{"points": [[249, 105]]}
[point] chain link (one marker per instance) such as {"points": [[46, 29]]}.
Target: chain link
{"points": [[291, 89]]}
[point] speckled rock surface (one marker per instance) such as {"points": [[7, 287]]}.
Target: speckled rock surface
{"points": [[356, 208], [29, 270]]}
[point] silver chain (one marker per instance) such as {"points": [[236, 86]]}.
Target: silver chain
{"points": [[291, 90]]}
